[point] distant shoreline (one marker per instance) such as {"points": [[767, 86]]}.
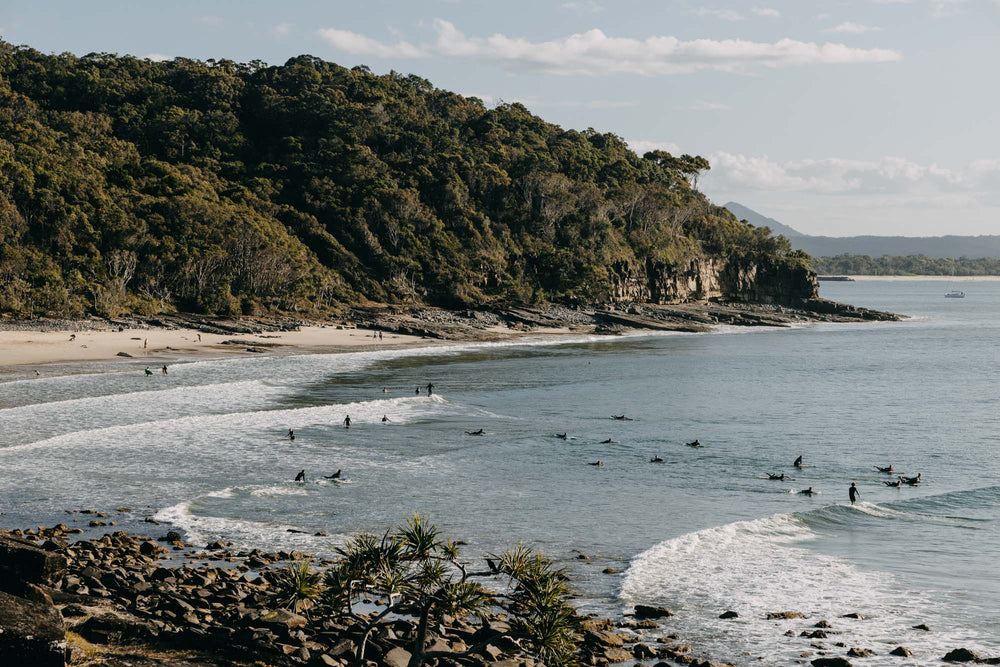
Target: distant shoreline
{"points": [[949, 279]]}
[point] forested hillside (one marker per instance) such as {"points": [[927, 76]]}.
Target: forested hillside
{"points": [[128, 185]]}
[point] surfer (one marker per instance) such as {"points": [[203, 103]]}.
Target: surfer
{"points": [[335, 475], [479, 432], [621, 418], [430, 388], [912, 481], [853, 493], [807, 492], [385, 418], [887, 469], [385, 390], [780, 477], [418, 389], [148, 372], [898, 483], [301, 477], [609, 441], [656, 459], [598, 463], [564, 436], [696, 443], [347, 421], [798, 462], [291, 434], [164, 369]]}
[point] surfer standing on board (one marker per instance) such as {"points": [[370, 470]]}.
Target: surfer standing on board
{"points": [[853, 493]]}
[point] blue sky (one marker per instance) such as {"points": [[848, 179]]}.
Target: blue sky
{"points": [[839, 117]]}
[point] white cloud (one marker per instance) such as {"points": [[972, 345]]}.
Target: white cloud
{"points": [[643, 146], [588, 6], [945, 8], [887, 176], [157, 57], [282, 30], [702, 105], [593, 53], [854, 28], [724, 14], [214, 21], [766, 11], [358, 44]]}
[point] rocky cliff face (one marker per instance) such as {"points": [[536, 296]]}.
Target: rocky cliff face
{"points": [[713, 278]]}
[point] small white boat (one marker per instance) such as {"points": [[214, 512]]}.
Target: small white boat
{"points": [[955, 294]]}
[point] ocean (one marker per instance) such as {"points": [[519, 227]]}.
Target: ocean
{"points": [[203, 449]]}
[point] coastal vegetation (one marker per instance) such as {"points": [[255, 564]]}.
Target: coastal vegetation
{"points": [[912, 265], [134, 186]]}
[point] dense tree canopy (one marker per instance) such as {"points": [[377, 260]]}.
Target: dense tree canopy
{"points": [[223, 187], [910, 265]]}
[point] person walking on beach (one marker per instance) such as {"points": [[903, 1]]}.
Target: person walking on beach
{"points": [[853, 493], [347, 421], [199, 338], [380, 336]]}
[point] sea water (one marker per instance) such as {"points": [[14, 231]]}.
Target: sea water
{"points": [[204, 450]]}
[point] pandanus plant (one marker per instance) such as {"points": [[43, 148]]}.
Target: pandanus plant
{"points": [[412, 572]]}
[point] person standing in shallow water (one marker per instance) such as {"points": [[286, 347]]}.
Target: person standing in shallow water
{"points": [[347, 421], [853, 493], [430, 388]]}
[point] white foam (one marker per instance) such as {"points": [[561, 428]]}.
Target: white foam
{"points": [[756, 567], [244, 534], [403, 410]]}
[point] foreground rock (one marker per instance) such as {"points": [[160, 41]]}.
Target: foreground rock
{"points": [[32, 634]]}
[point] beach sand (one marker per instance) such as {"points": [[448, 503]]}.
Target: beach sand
{"points": [[22, 350], [33, 348]]}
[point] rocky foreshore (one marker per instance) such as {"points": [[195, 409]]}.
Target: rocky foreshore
{"points": [[126, 600], [130, 600], [495, 322], [694, 317]]}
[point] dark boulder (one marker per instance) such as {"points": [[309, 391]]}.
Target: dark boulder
{"points": [[31, 634], [961, 655], [901, 651], [111, 628], [645, 611], [729, 614], [22, 562], [831, 662], [861, 653], [783, 615]]}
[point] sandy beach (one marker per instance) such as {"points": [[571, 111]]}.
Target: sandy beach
{"points": [[34, 348]]}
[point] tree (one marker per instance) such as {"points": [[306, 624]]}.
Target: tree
{"points": [[412, 572]]}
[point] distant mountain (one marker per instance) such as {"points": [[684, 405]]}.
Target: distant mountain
{"points": [[936, 247], [758, 220]]}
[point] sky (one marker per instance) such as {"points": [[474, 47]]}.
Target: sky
{"points": [[838, 118]]}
